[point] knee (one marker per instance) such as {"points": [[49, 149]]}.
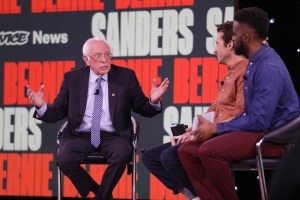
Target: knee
{"points": [[63, 163], [164, 159], [206, 151], [182, 151], [168, 157], [122, 156], [147, 157]]}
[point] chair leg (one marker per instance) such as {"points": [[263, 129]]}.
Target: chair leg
{"points": [[233, 174], [134, 175], [261, 175], [59, 185]]}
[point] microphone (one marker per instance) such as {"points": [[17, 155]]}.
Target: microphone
{"points": [[97, 92], [222, 82], [245, 77]]}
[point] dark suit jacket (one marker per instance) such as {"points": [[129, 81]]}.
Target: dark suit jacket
{"points": [[125, 96]]}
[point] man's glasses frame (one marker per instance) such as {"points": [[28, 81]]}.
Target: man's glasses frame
{"points": [[99, 56]]}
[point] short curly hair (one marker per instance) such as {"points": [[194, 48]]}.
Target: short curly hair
{"points": [[226, 29], [256, 18]]}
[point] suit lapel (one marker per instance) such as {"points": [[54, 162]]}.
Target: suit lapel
{"points": [[112, 91], [83, 89]]}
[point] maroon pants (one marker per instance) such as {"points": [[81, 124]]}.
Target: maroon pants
{"points": [[206, 163]]}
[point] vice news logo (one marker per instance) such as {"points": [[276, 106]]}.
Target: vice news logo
{"points": [[20, 37], [13, 38]]}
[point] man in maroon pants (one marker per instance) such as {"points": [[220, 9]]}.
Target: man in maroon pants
{"points": [[270, 101]]}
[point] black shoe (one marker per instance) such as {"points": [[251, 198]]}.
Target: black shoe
{"points": [[110, 198]]}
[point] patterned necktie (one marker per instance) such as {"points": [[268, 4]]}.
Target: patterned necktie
{"points": [[95, 130]]}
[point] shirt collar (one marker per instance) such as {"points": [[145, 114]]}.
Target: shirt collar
{"points": [[236, 65], [94, 77], [258, 53]]}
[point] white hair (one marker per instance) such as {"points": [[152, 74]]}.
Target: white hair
{"points": [[86, 44]]}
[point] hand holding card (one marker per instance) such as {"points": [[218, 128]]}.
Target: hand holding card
{"points": [[209, 116], [178, 129]]}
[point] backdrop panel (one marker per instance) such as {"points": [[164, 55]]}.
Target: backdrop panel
{"points": [[42, 39]]}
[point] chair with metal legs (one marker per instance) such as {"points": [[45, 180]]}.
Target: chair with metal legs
{"points": [[286, 135], [97, 158]]}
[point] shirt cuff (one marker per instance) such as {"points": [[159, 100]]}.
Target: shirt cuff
{"points": [[219, 129], [41, 111], [157, 105]]}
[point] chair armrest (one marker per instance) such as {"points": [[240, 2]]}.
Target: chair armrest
{"points": [[135, 129], [286, 133], [62, 127], [259, 144]]}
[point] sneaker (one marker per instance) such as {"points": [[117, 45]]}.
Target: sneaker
{"points": [[187, 193]]}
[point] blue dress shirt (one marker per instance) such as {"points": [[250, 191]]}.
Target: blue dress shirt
{"points": [[270, 97]]}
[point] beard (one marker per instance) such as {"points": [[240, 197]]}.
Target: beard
{"points": [[240, 48]]}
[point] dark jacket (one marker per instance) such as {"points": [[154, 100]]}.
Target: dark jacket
{"points": [[125, 96]]}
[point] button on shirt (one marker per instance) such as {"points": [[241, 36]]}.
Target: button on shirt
{"points": [[270, 97], [230, 100]]}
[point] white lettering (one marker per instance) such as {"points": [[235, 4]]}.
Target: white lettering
{"points": [[146, 33], [170, 24], [142, 43], [156, 32], [186, 43], [19, 131], [215, 17], [113, 32], [98, 24], [128, 36], [38, 37], [11, 38], [34, 139]]}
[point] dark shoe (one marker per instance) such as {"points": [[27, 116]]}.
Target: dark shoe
{"points": [[109, 198]]}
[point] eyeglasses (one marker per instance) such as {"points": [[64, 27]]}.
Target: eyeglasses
{"points": [[99, 56]]}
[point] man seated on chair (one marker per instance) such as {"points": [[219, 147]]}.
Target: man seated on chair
{"points": [[270, 101], [97, 100], [162, 160]]}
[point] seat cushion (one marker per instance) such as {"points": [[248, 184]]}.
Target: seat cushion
{"points": [[95, 158], [272, 150], [250, 164]]}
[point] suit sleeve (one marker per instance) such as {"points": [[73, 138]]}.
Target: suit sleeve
{"points": [[59, 109], [140, 103]]}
